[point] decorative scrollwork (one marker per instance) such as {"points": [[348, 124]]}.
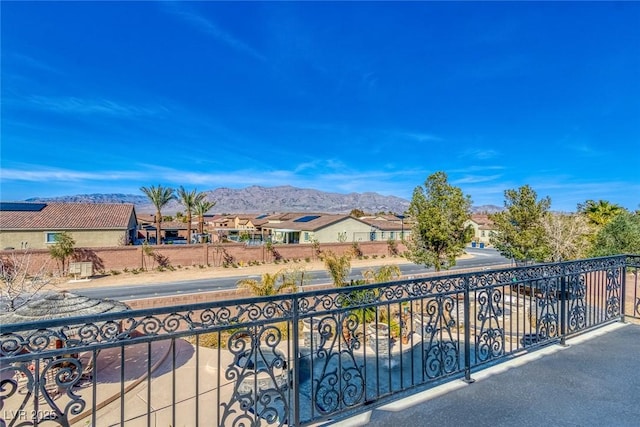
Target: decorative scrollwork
{"points": [[546, 292], [341, 382], [442, 353], [257, 331], [45, 380], [490, 339], [576, 293], [613, 293], [261, 377]]}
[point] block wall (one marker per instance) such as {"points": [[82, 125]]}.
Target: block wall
{"points": [[133, 257]]}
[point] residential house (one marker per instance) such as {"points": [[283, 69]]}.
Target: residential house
{"points": [[387, 227], [483, 228], [233, 227], [174, 231], [307, 228], [35, 225]]}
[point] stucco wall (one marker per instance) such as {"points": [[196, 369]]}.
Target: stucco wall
{"points": [[84, 238], [349, 226]]}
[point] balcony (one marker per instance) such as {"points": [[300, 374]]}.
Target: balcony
{"points": [[308, 358]]}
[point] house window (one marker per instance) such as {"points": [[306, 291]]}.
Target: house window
{"points": [[50, 236], [306, 236], [482, 233], [392, 235]]}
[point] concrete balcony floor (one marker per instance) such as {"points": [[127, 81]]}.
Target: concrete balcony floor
{"points": [[594, 381]]}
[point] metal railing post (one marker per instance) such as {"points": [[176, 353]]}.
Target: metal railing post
{"points": [[296, 364], [623, 291], [564, 300], [467, 333]]}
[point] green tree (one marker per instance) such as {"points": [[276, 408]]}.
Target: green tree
{"points": [[621, 235], [519, 230], [200, 209], [189, 199], [358, 213], [439, 234], [62, 249], [601, 212], [159, 196]]}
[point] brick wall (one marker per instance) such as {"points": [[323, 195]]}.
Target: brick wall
{"points": [[133, 257], [201, 297]]}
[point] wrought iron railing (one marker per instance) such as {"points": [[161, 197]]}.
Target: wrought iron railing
{"points": [[297, 359]]}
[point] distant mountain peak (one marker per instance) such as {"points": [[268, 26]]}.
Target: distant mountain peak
{"points": [[259, 199]]}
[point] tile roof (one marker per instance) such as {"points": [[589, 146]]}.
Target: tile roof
{"points": [[70, 216], [289, 216], [385, 225], [322, 221], [482, 220], [173, 225]]}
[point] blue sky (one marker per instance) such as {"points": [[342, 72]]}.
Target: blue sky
{"points": [[105, 97]]}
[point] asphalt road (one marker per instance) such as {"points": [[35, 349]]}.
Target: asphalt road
{"points": [[481, 258]]}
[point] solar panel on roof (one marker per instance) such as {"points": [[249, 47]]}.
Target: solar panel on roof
{"points": [[21, 207], [262, 216], [306, 218]]}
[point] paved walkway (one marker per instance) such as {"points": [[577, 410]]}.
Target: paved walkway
{"points": [[595, 381]]}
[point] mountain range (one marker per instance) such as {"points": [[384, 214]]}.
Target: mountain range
{"points": [[257, 199]]}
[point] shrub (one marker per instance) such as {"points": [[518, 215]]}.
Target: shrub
{"points": [[355, 248]]}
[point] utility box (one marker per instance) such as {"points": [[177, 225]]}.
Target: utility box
{"points": [[81, 269]]}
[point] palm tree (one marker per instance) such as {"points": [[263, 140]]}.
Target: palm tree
{"points": [[159, 197], [189, 199], [200, 208], [270, 284], [601, 212], [338, 268], [385, 273]]}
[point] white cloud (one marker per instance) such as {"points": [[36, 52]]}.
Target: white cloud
{"points": [[475, 169], [475, 179], [70, 104], [205, 25], [420, 137], [480, 154], [586, 150], [35, 63], [45, 175]]}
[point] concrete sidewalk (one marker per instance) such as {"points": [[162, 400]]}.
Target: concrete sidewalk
{"points": [[595, 381]]}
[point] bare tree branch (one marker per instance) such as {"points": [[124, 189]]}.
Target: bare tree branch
{"points": [[17, 285]]}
